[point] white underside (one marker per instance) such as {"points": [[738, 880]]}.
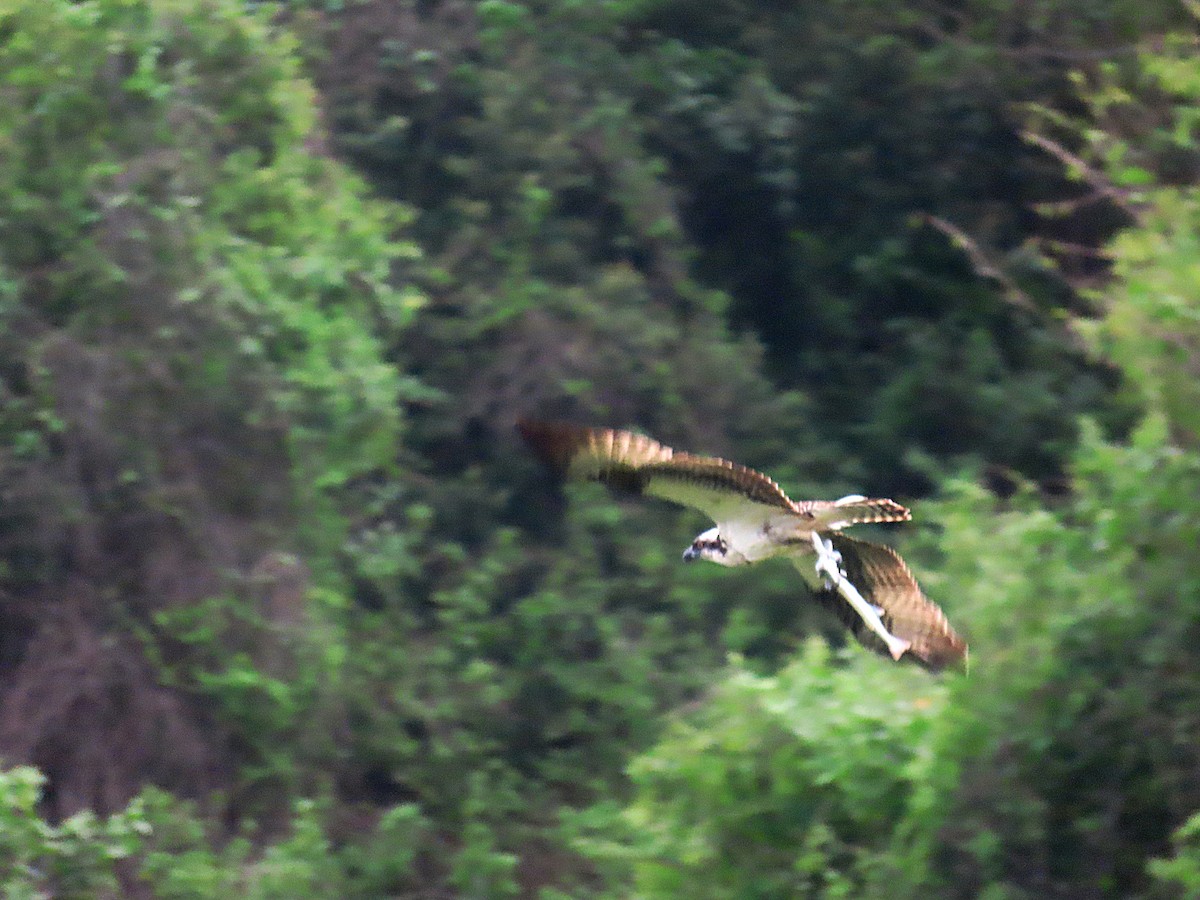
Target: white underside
{"points": [[750, 540], [753, 540]]}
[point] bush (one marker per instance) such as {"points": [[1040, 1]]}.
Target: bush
{"points": [[782, 785]]}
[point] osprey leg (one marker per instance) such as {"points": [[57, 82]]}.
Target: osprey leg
{"points": [[828, 565]]}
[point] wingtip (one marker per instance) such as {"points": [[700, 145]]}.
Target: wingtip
{"points": [[550, 442], [957, 661], [559, 444]]}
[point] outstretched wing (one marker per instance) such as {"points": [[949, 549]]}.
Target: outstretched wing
{"points": [[636, 463], [885, 581]]}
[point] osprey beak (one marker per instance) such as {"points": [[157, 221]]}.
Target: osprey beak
{"points": [[690, 554]]}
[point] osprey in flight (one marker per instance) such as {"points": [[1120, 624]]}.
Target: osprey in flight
{"points": [[867, 585]]}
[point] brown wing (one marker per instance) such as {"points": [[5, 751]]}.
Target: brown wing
{"points": [[636, 463], [884, 580]]}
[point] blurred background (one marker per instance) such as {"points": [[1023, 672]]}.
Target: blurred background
{"points": [[287, 610]]}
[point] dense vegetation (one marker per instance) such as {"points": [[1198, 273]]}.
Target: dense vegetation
{"points": [[286, 610]]}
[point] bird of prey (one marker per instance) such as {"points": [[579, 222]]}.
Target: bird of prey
{"points": [[867, 585]]}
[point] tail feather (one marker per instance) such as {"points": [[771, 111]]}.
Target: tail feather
{"points": [[858, 510]]}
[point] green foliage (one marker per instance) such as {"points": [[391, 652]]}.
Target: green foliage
{"points": [[263, 505], [1183, 869], [163, 221], [1063, 764], [193, 353], [586, 174], [195, 322], [77, 857], [827, 154], [383, 862], [161, 845], [1152, 329], [177, 858], [276, 686], [780, 786], [1069, 745]]}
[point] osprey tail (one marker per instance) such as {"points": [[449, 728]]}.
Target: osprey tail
{"points": [[833, 515]]}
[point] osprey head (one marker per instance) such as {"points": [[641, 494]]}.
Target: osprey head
{"points": [[709, 545]]}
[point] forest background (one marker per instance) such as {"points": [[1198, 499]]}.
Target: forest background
{"points": [[286, 610]]}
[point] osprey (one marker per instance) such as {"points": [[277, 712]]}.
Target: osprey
{"points": [[867, 585]]}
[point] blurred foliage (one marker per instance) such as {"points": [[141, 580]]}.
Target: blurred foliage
{"points": [[796, 158], [194, 317], [1183, 869], [285, 610], [781, 786], [158, 847], [77, 857]]}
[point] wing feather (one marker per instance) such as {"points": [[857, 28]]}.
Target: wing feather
{"points": [[636, 463], [884, 580]]}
